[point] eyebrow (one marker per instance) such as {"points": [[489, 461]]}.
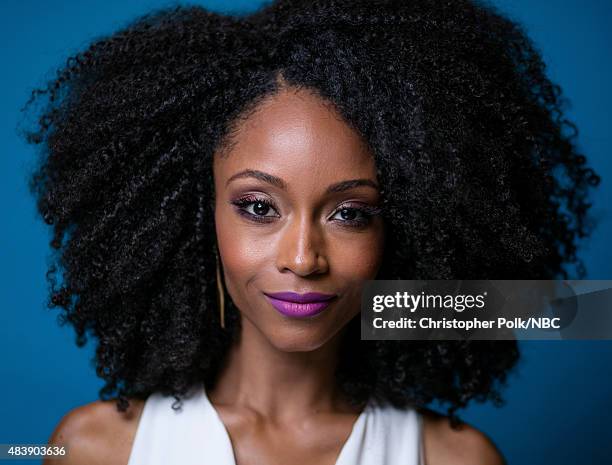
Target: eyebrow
{"points": [[278, 182]]}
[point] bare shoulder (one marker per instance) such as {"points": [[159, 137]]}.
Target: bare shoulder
{"points": [[97, 433], [465, 445]]}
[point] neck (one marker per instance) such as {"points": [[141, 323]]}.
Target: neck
{"points": [[277, 383]]}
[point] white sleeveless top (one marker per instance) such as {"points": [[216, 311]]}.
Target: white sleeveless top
{"points": [[195, 435]]}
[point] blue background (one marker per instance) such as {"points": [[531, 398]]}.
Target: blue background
{"points": [[558, 402]]}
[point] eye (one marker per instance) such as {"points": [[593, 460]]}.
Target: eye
{"points": [[262, 210], [355, 216], [256, 209], [349, 214]]}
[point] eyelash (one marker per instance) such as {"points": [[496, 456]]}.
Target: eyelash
{"points": [[366, 212]]}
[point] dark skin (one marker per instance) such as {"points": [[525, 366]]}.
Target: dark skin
{"points": [[276, 394]]}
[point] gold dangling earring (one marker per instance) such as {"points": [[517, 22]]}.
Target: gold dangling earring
{"points": [[220, 293]]}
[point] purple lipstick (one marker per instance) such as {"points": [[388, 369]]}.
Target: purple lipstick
{"points": [[299, 305]]}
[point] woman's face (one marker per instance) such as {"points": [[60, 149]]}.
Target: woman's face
{"points": [[295, 211]]}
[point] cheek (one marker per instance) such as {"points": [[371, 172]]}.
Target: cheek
{"points": [[360, 258], [356, 262], [243, 251]]}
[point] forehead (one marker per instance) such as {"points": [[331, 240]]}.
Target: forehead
{"points": [[297, 136]]}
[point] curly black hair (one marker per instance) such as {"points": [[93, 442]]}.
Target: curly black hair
{"points": [[482, 178]]}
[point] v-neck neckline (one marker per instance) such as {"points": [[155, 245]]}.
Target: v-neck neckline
{"points": [[357, 426]]}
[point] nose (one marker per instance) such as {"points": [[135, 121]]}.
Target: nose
{"points": [[301, 249]]}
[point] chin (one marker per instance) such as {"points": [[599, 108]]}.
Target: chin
{"points": [[298, 340]]}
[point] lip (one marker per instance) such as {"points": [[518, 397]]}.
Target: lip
{"points": [[300, 298], [299, 305]]}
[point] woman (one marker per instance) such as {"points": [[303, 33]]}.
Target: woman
{"points": [[220, 188]]}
